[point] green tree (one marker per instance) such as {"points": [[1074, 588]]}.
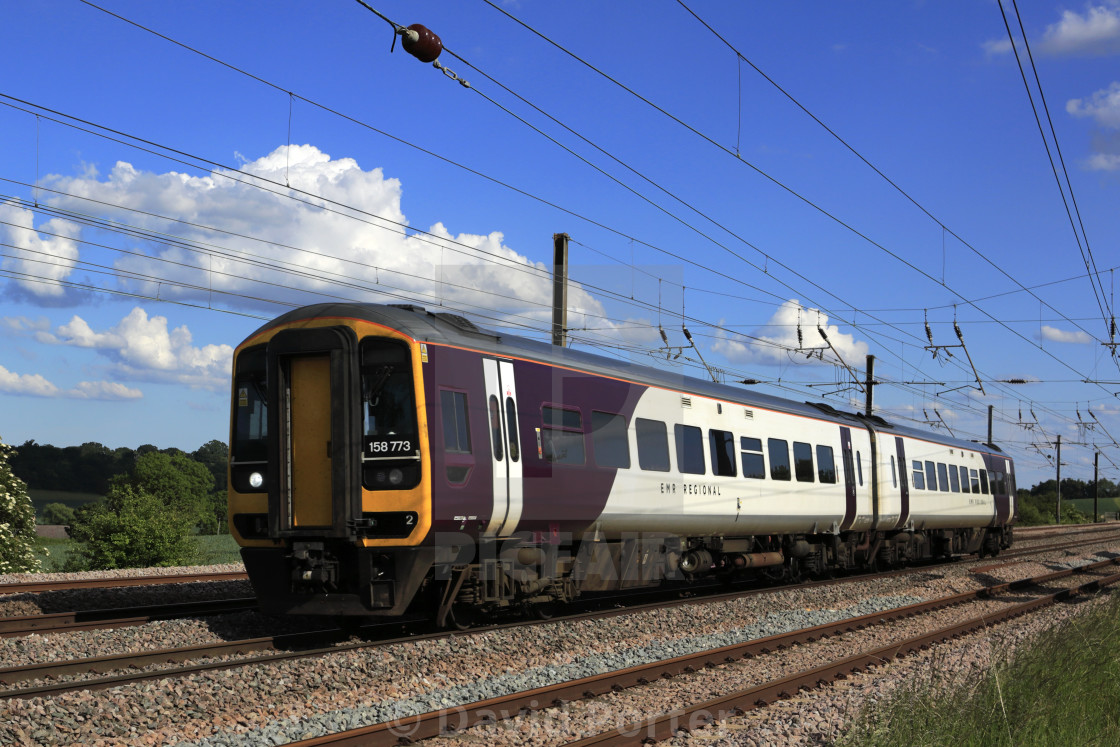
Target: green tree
{"points": [[182, 484], [56, 513], [214, 455], [17, 520], [131, 529], [219, 507]]}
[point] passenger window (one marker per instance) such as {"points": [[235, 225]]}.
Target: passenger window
{"points": [[803, 461], [562, 436], [690, 449], [779, 458], [954, 479], [562, 447], [826, 464], [496, 428], [653, 444], [456, 425], [561, 417], [608, 439], [984, 481], [919, 476], [931, 476], [974, 478], [722, 445], [964, 479], [511, 429], [754, 466], [943, 477]]}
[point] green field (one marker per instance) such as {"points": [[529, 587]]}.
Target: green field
{"points": [[1104, 506], [52, 553], [209, 550], [217, 548], [40, 498]]}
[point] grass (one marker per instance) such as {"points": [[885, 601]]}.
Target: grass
{"points": [[1060, 690], [214, 549], [52, 553]]}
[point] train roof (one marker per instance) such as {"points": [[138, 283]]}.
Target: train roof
{"points": [[441, 327]]}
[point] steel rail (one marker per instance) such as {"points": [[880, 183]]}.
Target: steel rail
{"points": [[25, 587], [117, 617]]}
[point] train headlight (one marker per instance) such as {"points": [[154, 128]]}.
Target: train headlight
{"points": [[256, 480], [396, 476]]}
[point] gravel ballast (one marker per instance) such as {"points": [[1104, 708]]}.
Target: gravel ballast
{"points": [[284, 701]]}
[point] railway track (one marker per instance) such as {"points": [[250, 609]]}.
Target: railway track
{"points": [[24, 587], [451, 720], [38, 685], [66, 622], [301, 645], [71, 621]]}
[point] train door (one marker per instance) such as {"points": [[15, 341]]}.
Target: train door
{"points": [[315, 487], [849, 478], [309, 439], [903, 483], [505, 446]]}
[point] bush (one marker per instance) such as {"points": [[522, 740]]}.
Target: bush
{"points": [[131, 529], [17, 520], [56, 513]]}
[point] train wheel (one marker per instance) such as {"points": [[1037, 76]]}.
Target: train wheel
{"points": [[545, 611], [462, 617]]}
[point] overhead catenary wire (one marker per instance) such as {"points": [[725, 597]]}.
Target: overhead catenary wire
{"points": [[786, 188], [396, 26], [941, 224], [1079, 236]]}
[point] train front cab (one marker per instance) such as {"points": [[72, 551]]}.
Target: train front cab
{"points": [[329, 472]]}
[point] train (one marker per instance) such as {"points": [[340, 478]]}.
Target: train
{"points": [[390, 461]]}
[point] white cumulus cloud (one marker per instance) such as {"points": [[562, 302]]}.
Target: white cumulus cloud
{"points": [[1096, 31], [344, 237], [43, 257], [144, 348], [1053, 334], [1103, 106], [1103, 162], [37, 385], [773, 341]]}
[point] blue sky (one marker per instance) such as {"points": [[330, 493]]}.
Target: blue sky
{"points": [[156, 204]]}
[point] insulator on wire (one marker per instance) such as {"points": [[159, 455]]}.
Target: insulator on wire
{"points": [[421, 42]]}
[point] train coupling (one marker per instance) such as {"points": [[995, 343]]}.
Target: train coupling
{"points": [[312, 566]]}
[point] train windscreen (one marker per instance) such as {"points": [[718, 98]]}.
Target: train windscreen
{"points": [[390, 435], [250, 429]]}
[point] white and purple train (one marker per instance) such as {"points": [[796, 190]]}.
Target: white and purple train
{"points": [[387, 460]]}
